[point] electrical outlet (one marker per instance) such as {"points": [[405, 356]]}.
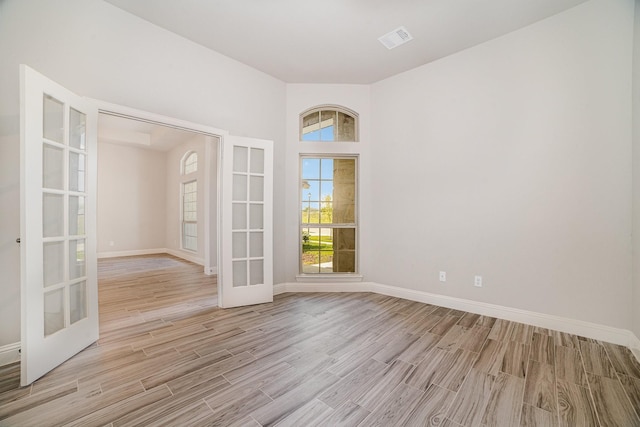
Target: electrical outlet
{"points": [[443, 276], [477, 281]]}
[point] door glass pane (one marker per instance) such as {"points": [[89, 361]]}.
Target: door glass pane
{"points": [[76, 259], [256, 191], [239, 187], [78, 301], [239, 216], [239, 273], [239, 245], [52, 167], [53, 263], [257, 272], [240, 159], [53, 311], [257, 160], [53, 119], [77, 129], [52, 215], [256, 246], [76, 215], [76, 171], [255, 217]]}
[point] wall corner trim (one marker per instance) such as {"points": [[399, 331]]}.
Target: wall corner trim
{"points": [[563, 324], [9, 353]]}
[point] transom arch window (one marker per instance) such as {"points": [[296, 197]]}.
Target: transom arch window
{"points": [[189, 163], [330, 123]]}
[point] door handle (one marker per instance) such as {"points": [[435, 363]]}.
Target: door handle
{"points": [[18, 240]]}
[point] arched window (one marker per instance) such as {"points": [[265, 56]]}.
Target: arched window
{"points": [[328, 204], [329, 123], [190, 163]]}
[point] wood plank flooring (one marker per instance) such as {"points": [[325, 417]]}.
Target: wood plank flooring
{"points": [[168, 356]]}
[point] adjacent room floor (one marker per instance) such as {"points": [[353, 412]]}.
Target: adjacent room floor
{"points": [[168, 356]]}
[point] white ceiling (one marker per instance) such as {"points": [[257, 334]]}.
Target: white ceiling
{"points": [[336, 41], [123, 131]]}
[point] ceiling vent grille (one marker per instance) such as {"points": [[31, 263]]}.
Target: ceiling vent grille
{"points": [[395, 38]]}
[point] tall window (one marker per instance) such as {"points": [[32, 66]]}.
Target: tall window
{"points": [[328, 214], [189, 206], [329, 123]]}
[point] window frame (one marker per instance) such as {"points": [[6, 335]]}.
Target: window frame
{"points": [[355, 225], [329, 107]]}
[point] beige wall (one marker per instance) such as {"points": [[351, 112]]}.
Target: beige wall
{"points": [[102, 52], [511, 160], [131, 198], [636, 172]]}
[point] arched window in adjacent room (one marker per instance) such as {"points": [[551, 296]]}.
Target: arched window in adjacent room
{"points": [[189, 202], [331, 123]]}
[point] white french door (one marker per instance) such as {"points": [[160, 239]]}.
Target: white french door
{"points": [[59, 292], [246, 222]]}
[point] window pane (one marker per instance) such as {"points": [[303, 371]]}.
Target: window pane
{"points": [[346, 127], [77, 129], [52, 215], [257, 160], [53, 263], [239, 188], [76, 215], [76, 259], [53, 119], [310, 168], [53, 311], [239, 273], [239, 245], [256, 267], [311, 126], [256, 219], [240, 159], [256, 245], [239, 216], [76, 171], [329, 200], [190, 163], [327, 125], [326, 171], [256, 192], [52, 167], [78, 301]]}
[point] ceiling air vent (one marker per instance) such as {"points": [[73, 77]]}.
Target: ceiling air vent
{"points": [[395, 38]]}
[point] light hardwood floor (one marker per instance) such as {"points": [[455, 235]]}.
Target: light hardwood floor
{"points": [[168, 356]]}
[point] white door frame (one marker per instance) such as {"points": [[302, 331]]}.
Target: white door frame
{"points": [[146, 116]]}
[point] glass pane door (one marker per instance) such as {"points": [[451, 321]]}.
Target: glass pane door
{"points": [[58, 236], [246, 264]]}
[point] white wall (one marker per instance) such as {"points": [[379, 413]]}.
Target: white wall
{"points": [[636, 172], [131, 198], [301, 97], [511, 160], [173, 188], [102, 52]]}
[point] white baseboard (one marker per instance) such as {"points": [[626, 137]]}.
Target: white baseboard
{"points": [[177, 253], [563, 324], [185, 255], [116, 254], [9, 353]]}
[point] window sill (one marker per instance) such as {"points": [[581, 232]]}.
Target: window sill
{"points": [[328, 278]]}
